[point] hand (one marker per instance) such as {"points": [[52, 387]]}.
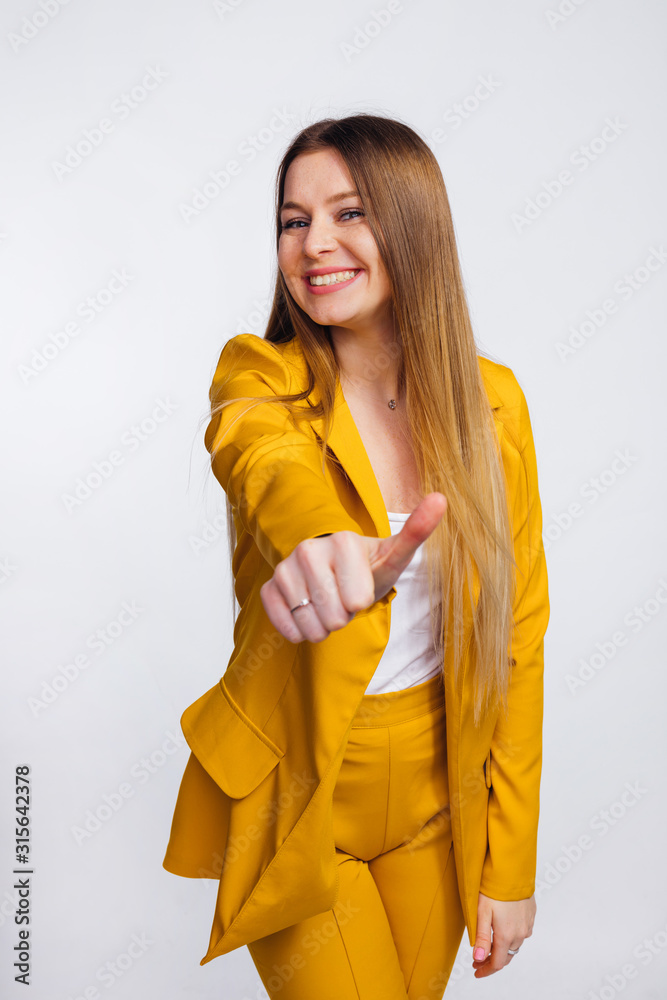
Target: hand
{"points": [[511, 921], [343, 573]]}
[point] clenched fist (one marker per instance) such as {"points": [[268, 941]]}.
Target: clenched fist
{"points": [[343, 573]]}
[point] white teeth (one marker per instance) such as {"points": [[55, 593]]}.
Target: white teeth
{"points": [[331, 279]]}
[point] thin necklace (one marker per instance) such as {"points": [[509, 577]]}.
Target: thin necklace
{"points": [[391, 404]]}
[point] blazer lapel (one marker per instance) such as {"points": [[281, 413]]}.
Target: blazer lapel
{"points": [[346, 444]]}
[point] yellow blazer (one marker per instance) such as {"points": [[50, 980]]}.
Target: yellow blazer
{"points": [[254, 808]]}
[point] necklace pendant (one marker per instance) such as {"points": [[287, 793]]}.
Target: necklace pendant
{"points": [[392, 404]]}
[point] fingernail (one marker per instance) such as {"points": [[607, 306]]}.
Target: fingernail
{"points": [[479, 954]]}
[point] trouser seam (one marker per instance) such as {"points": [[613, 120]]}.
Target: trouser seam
{"points": [[386, 810], [342, 941], [428, 919]]}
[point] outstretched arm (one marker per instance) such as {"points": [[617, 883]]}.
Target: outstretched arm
{"points": [[270, 471]]}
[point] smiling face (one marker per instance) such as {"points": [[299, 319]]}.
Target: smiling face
{"points": [[325, 234]]}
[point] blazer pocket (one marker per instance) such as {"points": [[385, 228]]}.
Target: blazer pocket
{"points": [[232, 749], [487, 770]]}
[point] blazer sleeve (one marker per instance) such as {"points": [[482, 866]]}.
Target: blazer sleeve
{"points": [[269, 469], [516, 750]]}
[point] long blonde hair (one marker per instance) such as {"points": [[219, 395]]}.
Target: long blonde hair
{"points": [[456, 447]]}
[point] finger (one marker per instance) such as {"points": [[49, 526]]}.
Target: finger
{"points": [[356, 585], [305, 574], [321, 567], [278, 612], [499, 957], [397, 552], [493, 962], [290, 578]]}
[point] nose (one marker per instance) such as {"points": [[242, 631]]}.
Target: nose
{"points": [[320, 236]]}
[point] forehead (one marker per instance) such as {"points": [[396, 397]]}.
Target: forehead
{"points": [[318, 176]]}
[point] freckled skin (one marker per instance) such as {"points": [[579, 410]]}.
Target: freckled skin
{"points": [[359, 314]]}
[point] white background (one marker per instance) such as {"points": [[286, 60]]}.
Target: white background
{"points": [[220, 76]]}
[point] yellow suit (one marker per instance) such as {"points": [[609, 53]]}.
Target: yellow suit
{"points": [[254, 807]]}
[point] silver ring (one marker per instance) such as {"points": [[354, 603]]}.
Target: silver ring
{"points": [[301, 604], [510, 952]]}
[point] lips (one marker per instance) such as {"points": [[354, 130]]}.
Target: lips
{"points": [[327, 289]]}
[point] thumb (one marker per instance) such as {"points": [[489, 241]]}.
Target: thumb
{"points": [[390, 556], [482, 938], [397, 550], [482, 948]]}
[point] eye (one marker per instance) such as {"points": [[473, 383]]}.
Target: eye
{"points": [[294, 223]]}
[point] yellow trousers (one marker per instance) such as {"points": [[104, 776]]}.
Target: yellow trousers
{"points": [[396, 928]]}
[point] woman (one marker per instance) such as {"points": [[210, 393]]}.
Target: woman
{"points": [[364, 779]]}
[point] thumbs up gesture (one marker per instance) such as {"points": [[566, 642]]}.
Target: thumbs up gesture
{"points": [[343, 573]]}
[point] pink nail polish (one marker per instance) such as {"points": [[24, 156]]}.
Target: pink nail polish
{"points": [[479, 954]]}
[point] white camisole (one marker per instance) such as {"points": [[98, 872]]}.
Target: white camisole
{"points": [[409, 657]]}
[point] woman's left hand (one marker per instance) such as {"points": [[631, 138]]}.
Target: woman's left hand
{"points": [[511, 923]]}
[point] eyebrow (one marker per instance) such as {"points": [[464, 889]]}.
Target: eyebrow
{"points": [[334, 197]]}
